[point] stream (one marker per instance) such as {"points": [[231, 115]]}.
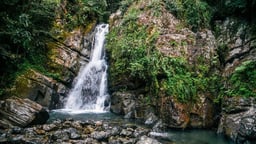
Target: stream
{"points": [[195, 136]]}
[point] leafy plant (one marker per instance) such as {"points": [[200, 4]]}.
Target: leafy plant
{"points": [[243, 81], [195, 13]]}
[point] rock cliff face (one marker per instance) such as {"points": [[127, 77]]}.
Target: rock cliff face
{"points": [[172, 40], [237, 45]]}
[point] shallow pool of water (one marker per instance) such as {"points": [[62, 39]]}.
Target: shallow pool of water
{"points": [[197, 137], [170, 137]]}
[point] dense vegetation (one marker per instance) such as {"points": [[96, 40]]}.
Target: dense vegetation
{"points": [[26, 27], [25, 30]]}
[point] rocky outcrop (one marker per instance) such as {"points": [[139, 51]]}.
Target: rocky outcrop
{"points": [[36, 87], [238, 119], [190, 115], [236, 44], [173, 40], [70, 131], [123, 103], [21, 112]]}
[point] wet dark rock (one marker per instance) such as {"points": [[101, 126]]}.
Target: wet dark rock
{"points": [[151, 119], [126, 132], [130, 125], [122, 103], [102, 135], [21, 112], [115, 131], [74, 133], [60, 134], [140, 132], [247, 130], [16, 130], [238, 119], [159, 126]]}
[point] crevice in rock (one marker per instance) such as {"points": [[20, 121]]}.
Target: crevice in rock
{"points": [[240, 55]]}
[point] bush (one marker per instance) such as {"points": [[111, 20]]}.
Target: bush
{"points": [[243, 81], [195, 13]]}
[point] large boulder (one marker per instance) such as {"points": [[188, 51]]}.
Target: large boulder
{"points": [[199, 114], [238, 119], [122, 103], [21, 112], [37, 87]]}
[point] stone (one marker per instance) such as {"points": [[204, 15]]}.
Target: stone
{"points": [[138, 132], [100, 135], [122, 103], [247, 130], [88, 129], [151, 118], [16, 130], [21, 112], [74, 134], [159, 126], [77, 125], [125, 132], [147, 140], [40, 132], [115, 131], [60, 135], [49, 127], [238, 119]]}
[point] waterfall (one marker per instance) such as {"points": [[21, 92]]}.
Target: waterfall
{"points": [[90, 90]]}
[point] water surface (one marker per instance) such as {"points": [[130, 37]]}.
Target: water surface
{"points": [[169, 137]]}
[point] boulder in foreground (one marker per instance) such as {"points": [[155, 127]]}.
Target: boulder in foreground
{"points": [[21, 112]]}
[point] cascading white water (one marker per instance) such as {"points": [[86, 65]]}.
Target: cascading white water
{"points": [[90, 90]]}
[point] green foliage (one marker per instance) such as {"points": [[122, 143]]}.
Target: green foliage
{"points": [[113, 5], [24, 30], [124, 4], [135, 59], [243, 81], [195, 13], [83, 12]]}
